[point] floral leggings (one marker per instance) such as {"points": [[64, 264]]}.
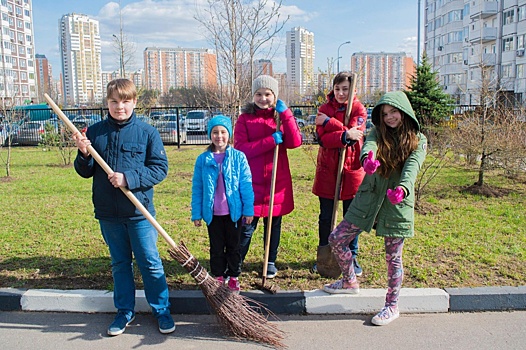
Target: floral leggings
{"points": [[339, 241]]}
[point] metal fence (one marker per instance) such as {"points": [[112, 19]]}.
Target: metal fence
{"points": [[177, 125]]}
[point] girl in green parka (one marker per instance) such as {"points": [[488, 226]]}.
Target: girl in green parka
{"points": [[391, 156]]}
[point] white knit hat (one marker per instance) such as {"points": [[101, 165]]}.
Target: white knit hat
{"points": [[265, 82]]}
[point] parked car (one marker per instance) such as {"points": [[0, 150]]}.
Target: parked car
{"points": [[168, 131], [30, 133], [311, 119], [301, 122], [196, 121]]}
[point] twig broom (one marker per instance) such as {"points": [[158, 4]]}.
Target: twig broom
{"points": [[234, 311]]}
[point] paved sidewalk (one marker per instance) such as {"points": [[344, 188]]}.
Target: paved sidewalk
{"points": [[438, 331], [369, 301]]}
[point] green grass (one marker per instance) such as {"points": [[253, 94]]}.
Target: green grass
{"points": [[49, 238]]}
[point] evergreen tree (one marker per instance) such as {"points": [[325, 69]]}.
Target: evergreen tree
{"points": [[430, 102]]}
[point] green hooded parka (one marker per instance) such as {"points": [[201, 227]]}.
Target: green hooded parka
{"points": [[371, 204]]}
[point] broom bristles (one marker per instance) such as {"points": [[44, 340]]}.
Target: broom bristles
{"points": [[236, 313]]}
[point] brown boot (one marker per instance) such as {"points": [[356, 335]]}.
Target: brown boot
{"points": [[326, 263]]}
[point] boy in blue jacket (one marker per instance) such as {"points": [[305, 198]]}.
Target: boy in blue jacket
{"points": [[223, 197], [135, 152]]}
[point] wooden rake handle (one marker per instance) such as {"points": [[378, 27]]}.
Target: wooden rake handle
{"points": [[343, 151], [271, 205], [108, 170]]}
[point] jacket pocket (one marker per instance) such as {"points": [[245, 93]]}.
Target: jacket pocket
{"points": [[133, 154]]}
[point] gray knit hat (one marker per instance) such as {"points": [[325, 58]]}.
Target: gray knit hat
{"points": [[265, 82]]}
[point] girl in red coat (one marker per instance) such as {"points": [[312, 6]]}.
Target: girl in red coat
{"points": [[335, 137], [255, 135]]}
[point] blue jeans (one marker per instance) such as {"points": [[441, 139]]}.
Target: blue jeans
{"points": [[139, 237], [324, 223], [275, 233]]}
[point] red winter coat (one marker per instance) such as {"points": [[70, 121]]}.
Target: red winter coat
{"points": [[253, 136], [330, 140]]}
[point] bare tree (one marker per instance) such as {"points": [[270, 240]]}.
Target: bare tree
{"points": [[239, 31], [492, 135], [124, 48]]}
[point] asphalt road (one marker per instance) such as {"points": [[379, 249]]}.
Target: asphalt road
{"points": [[57, 331]]}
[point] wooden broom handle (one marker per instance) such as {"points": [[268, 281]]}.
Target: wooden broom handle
{"points": [[343, 151], [108, 170]]}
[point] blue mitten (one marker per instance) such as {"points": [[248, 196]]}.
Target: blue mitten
{"points": [[281, 106], [278, 137]]}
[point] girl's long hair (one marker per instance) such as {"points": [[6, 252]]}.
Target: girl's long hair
{"points": [[395, 145]]}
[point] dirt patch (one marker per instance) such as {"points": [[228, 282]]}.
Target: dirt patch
{"points": [[7, 179], [487, 191], [424, 208]]}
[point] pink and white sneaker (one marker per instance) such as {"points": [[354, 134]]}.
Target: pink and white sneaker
{"points": [[233, 284], [387, 315], [342, 287]]}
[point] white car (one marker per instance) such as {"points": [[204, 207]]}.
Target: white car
{"points": [[196, 121]]}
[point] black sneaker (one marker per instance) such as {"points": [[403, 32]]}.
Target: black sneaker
{"points": [[357, 268]]}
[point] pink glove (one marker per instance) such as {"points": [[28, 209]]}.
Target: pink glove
{"points": [[395, 196], [370, 164]]}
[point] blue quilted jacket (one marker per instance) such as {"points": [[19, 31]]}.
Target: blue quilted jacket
{"points": [[238, 185], [133, 148]]}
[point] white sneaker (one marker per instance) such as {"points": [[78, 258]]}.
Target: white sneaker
{"points": [[338, 288], [386, 316]]}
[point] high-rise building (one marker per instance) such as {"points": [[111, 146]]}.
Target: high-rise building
{"points": [[263, 67], [300, 53], [17, 71], [44, 76], [166, 68], [381, 71], [468, 41], [81, 60]]}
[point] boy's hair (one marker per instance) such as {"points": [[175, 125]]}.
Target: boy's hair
{"points": [[341, 77], [123, 88]]}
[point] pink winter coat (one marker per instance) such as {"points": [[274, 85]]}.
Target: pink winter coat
{"points": [[253, 136]]}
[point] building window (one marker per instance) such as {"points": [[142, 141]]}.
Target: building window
{"points": [[521, 13], [507, 44], [508, 16], [507, 71], [520, 71]]}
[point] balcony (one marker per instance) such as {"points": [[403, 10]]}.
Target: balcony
{"points": [[484, 10], [483, 35]]}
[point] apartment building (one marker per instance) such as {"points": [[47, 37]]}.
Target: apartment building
{"points": [[381, 71], [18, 82], [80, 51], [475, 43], [44, 76], [300, 53], [166, 68], [263, 67]]}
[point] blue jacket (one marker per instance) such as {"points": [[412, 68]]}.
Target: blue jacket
{"points": [[134, 149], [238, 185]]}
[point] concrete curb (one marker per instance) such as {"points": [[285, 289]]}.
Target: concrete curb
{"points": [[412, 300]]}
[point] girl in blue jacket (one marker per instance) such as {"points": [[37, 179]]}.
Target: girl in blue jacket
{"points": [[223, 197]]}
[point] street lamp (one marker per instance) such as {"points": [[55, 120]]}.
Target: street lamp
{"points": [[338, 57]]}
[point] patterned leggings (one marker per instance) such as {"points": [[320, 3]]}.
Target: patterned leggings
{"points": [[339, 241]]}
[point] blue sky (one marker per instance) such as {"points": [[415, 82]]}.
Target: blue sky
{"points": [[371, 26]]}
